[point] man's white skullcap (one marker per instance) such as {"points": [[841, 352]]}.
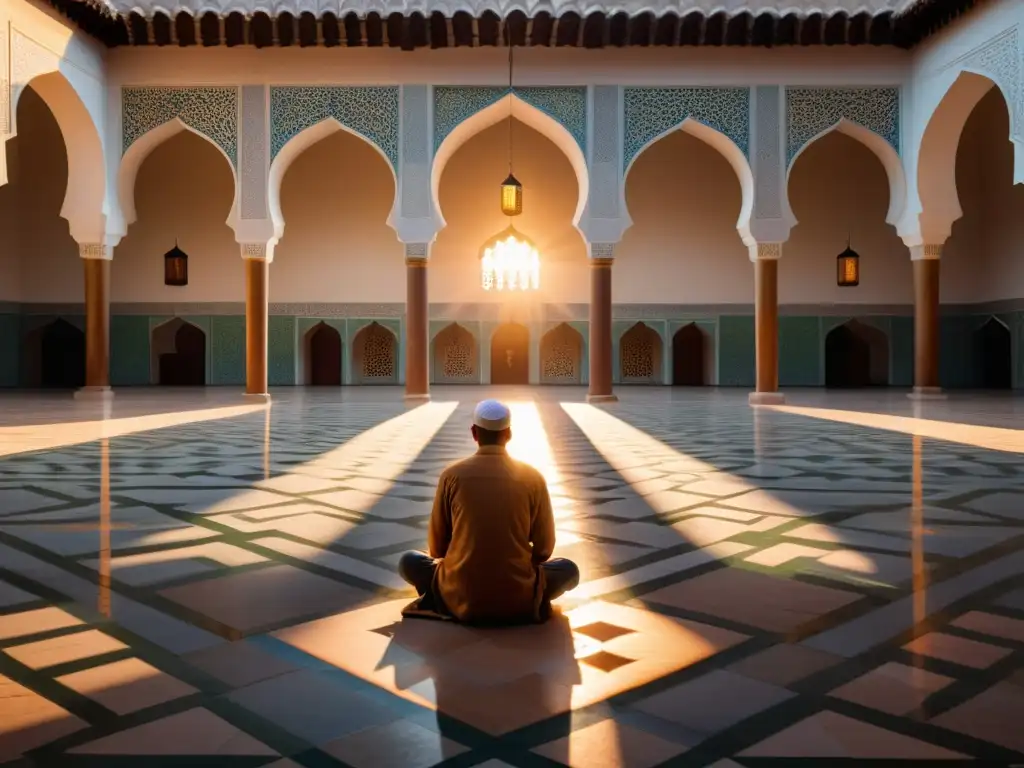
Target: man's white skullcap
{"points": [[492, 415]]}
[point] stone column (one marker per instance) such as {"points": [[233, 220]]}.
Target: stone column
{"points": [[601, 260], [417, 324], [96, 260], [926, 321], [257, 258], [766, 325]]}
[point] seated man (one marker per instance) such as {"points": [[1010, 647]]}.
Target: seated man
{"points": [[491, 535]]}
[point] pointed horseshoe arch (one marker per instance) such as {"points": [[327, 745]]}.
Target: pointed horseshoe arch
{"points": [[298, 144], [85, 205], [881, 149], [727, 148], [143, 147], [940, 140], [528, 114]]}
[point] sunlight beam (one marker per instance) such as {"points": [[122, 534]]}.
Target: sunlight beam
{"points": [[988, 438]]}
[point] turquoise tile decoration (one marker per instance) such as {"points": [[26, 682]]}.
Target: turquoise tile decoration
{"points": [[736, 351], [129, 350], [281, 350], [800, 352], [227, 349], [10, 349], [901, 350]]}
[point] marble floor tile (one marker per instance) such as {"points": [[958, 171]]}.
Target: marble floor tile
{"points": [[247, 601], [312, 706], [398, 744], [772, 603], [993, 715], [831, 735], [167, 564], [610, 744], [991, 624], [195, 732], [238, 664], [126, 686], [959, 650], [61, 650], [15, 625], [713, 702], [784, 664], [27, 720], [893, 688]]}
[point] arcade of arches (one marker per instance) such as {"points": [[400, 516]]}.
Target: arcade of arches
{"points": [[682, 282]]}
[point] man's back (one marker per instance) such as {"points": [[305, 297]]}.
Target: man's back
{"points": [[493, 525]]}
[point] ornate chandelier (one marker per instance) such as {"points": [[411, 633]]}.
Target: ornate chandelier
{"points": [[509, 262]]}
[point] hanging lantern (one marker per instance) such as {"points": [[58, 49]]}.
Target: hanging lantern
{"points": [[511, 196], [509, 262], [176, 267], [848, 268]]}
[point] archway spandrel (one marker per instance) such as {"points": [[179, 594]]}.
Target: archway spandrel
{"points": [[652, 112], [811, 112], [371, 112], [210, 111]]}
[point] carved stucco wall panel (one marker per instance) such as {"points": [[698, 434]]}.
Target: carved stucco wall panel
{"points": [[254, 153], [1001, 60], [768, 164], [211, 111], [650, 112], [811, 111], [415, 141], [371, 112], [566, 105]]}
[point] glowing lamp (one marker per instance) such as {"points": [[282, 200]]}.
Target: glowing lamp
{"points": [[848, 269], [509, 262], [511, 196], [176, 267]]}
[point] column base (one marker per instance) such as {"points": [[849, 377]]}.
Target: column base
{"points": [[256, 397], [766, 398], [922, 394], [94, 394], [417, 399], [602, 398]]}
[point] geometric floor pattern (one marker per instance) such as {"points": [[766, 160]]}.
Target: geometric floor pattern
{"points": [[187, 579]]}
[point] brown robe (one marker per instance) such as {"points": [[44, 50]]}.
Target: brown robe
{"points": [[491, 526]]}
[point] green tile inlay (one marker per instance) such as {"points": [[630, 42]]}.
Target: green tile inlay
{"points": [[227, 349], [800, 350], [736, 351], [129, 350]]}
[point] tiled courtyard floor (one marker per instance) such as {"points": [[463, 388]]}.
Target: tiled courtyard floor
{"points": [[195, 580]]}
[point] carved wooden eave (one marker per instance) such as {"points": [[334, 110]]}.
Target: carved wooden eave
{"points": [[481, 23]]}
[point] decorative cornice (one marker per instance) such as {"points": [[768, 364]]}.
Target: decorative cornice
{"points": [[576, 23]]}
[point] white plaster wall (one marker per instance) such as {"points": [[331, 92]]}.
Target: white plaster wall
{"points": [[823, 65], [337, 245], [48, 262], [987, 247], [183, 192], [838, 189], [10, 254], [684, 199], [469, 195]]}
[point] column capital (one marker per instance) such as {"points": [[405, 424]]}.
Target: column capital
{"points": [[765, 251], [925, 252], [101, 251], [418, 253], [258, 251], [602, 252]]}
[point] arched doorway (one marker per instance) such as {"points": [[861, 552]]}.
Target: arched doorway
{"points": [[375, 355], [323, 356], [561, 356], [856, 355], [454, 356], [179, 351], [688, 357], [640, 356], [510, 355], [62, 356], [993, 355]]}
